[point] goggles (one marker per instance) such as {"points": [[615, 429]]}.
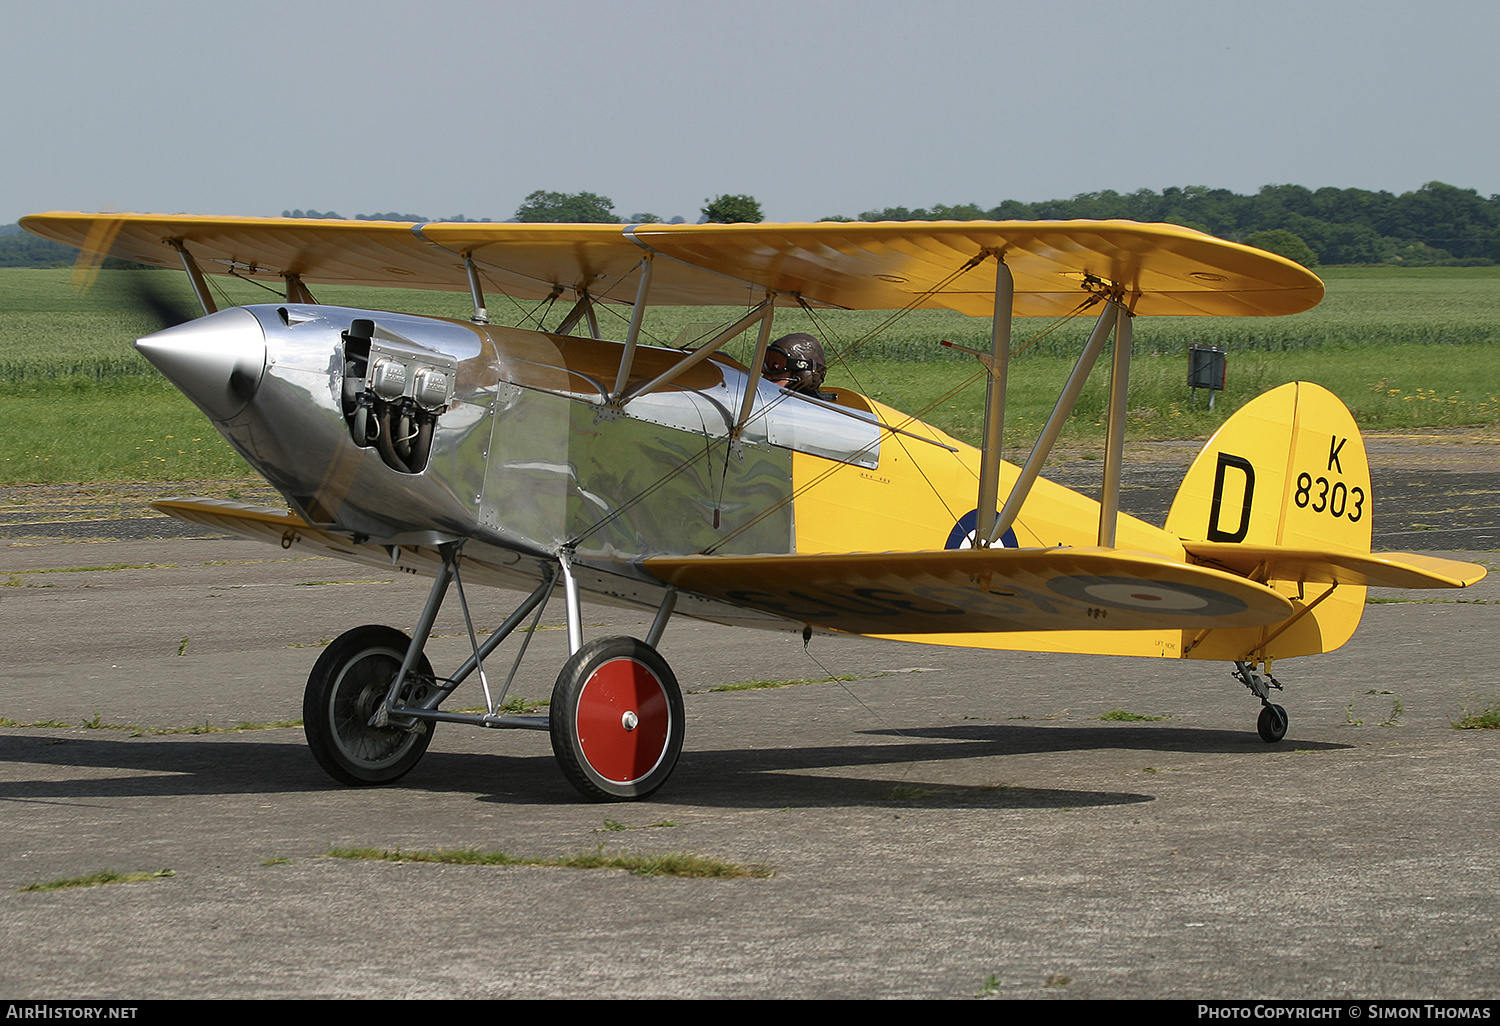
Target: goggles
{"points": [[777, 362]]}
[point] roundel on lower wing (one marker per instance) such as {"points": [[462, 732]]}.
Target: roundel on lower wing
{"points": [[1146, 596], [962, 535]]}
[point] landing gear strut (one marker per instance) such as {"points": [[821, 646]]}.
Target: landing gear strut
{"points": [[616, 716], [1272, 723]]}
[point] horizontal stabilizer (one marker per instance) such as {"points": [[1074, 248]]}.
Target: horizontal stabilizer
{"points": [[1377, 570], [978, 590]]}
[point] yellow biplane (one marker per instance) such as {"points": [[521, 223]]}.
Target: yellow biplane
{"points": [[685, 482]]}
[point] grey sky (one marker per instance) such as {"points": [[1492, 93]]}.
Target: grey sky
{"points": [[815, 107]]}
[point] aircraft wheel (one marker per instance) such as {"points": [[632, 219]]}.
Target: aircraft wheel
{"points": [[347, 684], [1272, 723], [616, 720]]}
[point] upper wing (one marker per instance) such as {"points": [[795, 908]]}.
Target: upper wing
{"points": [[959, 591], [887, 265]]}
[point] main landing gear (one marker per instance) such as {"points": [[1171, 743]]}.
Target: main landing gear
{"points": [[616, 719], [1272, 723], [346, 691], [616, 716]]}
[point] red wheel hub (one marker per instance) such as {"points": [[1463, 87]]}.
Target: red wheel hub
{"points": [[623, 720]]}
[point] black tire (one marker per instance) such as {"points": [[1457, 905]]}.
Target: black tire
{"points": [[617, 720], [347, 684], [1272, 723]]}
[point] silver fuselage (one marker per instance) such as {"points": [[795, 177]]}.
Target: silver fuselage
{"points": [[526, 455]]}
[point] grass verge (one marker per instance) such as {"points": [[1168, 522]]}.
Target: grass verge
{"points": [[1486, 718], [1403, 348], [104, 876]]}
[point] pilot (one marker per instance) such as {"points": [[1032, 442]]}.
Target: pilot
{"points": [[796, 362]]}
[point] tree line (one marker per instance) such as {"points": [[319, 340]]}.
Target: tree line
{"points": [[577, 208], [1436, 224]]}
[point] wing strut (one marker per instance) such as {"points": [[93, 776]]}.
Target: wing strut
{"points": [[481, 315], [582, 309], [633, 335], [296, 289], [997, 364], [762, 343], [1054, 425], [704, 351], [1114, 445], [200, 285]]}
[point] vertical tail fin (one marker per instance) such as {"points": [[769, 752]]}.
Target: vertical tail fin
{"points": [[1288, 469]]}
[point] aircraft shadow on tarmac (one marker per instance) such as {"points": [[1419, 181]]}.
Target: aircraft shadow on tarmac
{"points": [[732, 778], [770, 777], [1011, 739]]}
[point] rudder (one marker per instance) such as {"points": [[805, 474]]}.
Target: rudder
{"points": [[1288, 469]]}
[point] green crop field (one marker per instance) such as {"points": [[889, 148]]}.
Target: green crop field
{"points": [[1403, 347]]}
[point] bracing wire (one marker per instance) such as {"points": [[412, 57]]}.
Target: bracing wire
{"points": [[842, 353], [911, 417]]}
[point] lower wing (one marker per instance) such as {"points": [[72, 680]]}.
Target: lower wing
{"points": [[961, 591]]}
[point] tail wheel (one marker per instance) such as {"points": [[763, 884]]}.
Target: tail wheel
{"points": [[616, 720], [1272, 723], [348, 684]]}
